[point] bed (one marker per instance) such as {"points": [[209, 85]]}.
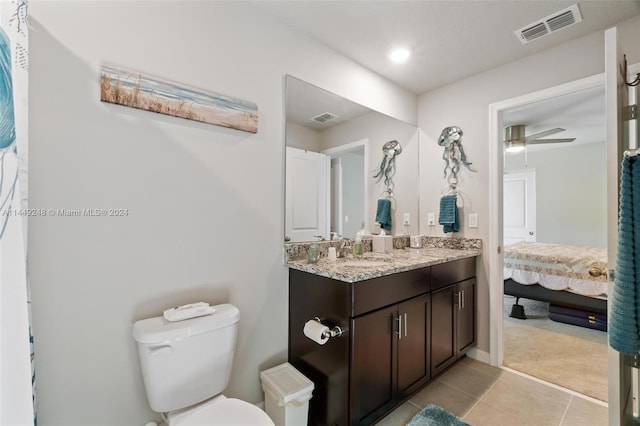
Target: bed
{"points": [[559, 274]]}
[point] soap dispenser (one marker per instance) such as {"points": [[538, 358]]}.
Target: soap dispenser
{"points": [[356, 247]]}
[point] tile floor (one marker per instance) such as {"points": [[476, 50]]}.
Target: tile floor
{"points": [[484, 395]]}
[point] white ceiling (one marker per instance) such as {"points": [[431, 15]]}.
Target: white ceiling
{"points": [[305, 101], [582, 114], [451, 40]]}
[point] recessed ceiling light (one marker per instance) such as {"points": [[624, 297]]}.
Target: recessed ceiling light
{"points": [[399, 54]]}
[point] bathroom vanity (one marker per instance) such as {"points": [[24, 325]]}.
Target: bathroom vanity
{"points": [[407, 315]]}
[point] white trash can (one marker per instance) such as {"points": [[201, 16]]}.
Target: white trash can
{"points": [[286, 395]]}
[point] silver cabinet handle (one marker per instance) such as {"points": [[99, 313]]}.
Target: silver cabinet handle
{"points": [[405, 324], [462, 298], [399, 332]]}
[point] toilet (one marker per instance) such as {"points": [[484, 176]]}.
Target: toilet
{"points": [[187, 364]]}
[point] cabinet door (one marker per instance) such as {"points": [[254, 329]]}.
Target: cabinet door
{"points": [[373, 365], [466, 324], [443, 344], [413, 344]]}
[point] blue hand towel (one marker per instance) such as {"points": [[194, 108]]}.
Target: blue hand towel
{"points": [[383, 214], [624, 315], [449, 214]]}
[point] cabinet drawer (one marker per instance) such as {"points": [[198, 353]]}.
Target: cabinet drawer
{"points": [[379, 292], [452, 272]]}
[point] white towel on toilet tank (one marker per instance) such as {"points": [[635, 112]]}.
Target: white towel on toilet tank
{"points": [[191, 310]]}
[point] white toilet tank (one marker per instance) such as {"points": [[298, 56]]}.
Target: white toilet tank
{"points": [[186, 362]]}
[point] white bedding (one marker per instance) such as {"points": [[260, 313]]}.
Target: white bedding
{"points": [[556, 267]]}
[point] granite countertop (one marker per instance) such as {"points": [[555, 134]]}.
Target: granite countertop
{"points": [[373, 265]]}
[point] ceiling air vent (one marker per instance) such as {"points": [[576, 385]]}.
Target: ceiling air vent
{"points": [[323, 118], [550, 24]]}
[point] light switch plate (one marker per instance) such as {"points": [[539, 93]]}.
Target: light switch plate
{"points": [[473, 220], [431, 219]]}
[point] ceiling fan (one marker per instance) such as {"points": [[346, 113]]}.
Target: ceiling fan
{"points": [[515, 139]]}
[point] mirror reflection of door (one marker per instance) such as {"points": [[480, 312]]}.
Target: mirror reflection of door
{"points": [[307, 195], [348, 191], [320, 121], [519, 203]]}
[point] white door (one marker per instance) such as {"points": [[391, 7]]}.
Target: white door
{"points": [[519, 202], [307, 197]]}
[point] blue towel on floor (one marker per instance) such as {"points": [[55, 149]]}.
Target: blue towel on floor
{"points": [[449, 214], [624, 320], [383, 213], [433, 415]]}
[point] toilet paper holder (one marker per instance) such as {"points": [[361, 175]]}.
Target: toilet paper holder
{"points": [[336, 331]]}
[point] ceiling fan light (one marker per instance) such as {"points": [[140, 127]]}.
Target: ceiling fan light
{"points": [[514, 146]]}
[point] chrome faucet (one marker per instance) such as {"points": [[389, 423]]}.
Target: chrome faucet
{"points": [[319, 237]]}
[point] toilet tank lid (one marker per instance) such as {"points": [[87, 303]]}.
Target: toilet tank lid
{"points": [[159, 330]]}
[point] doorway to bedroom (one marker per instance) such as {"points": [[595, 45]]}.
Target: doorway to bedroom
{"points": [[554, 229]]}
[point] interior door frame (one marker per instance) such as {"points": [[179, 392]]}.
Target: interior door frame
{"points": [[496, 170], [341, 149]]}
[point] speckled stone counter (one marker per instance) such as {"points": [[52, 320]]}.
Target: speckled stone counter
{"points": [[372, 265]]}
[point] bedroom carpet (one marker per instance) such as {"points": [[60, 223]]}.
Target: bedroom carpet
{"points": [[566, 355]]}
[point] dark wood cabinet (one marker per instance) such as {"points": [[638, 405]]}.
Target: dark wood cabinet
{"points": [[390, 357], [373, 366], [466, 315], [402, 329], [452, 323], [413, 345], [442, 329]]}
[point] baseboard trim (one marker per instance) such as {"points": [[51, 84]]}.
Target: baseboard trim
{"points": [[479, 355]]}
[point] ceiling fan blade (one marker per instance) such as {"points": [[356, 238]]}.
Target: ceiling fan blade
{"points": [[541, 141], [543, 134]]}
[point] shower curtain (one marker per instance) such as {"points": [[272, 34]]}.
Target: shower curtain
{"points": [[17, 387]]}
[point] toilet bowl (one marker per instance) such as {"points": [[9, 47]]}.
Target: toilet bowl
{"points": [[220, 411], [186, 366]]}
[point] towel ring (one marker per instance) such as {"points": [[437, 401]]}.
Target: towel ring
{"points": [[387, 191]]}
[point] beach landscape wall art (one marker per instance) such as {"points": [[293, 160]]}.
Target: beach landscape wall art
{"points": [[122, 86]]}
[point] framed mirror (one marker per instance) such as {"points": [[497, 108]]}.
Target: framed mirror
{"points": [[333, 149]]}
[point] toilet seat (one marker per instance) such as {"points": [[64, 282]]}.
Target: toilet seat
{"points": [[222, 411]]}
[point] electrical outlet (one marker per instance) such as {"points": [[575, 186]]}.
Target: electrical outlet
{"points": [[473, 220], [431, 219], [406, 219]]}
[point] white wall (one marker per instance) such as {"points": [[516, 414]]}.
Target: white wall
{"points": [[465, 104], [205, 203], [570, 186], [303, 137]]}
